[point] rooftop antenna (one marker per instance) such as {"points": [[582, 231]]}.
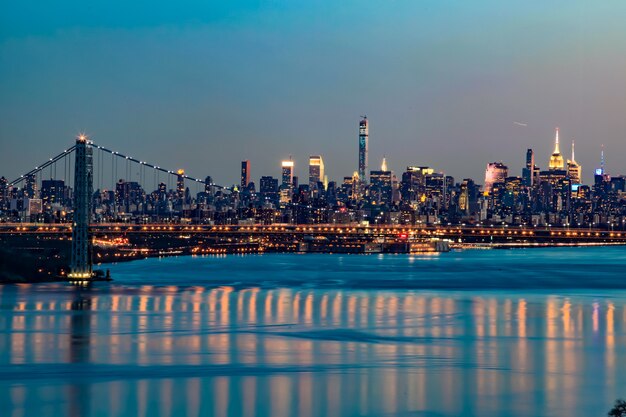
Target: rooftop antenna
{"points": [[602, 161]]}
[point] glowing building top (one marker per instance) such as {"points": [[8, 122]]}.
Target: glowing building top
{"points": [[556, 160], [574, 170], [495, 172]]}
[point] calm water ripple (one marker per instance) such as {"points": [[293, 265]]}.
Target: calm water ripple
{"points": [[538, 332]]}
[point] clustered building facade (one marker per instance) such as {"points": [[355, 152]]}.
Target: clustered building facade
{"points": [[419, 195]]}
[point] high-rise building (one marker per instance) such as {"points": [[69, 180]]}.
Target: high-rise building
{"points": [[180, 184], [162, 191], [4, 189], [381, 187], [528, 171], [381, 184], [316, 170], [413, 184], [52, 192], [468, 197], [287, 173], [209, 187], [363, 144], [30, 188], [574, 170], [268, 185], [556, 160], [286, 187], [245, 173], [496, 172]]}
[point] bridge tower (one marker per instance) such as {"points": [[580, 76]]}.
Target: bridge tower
{"points": [[81, 266]]}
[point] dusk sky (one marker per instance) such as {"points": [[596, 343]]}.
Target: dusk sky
{"points": [[202, 85]]}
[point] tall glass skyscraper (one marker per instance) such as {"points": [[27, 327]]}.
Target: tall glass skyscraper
{"points": [[245, 173], [363, 139], [286, 187], [316, 170]]}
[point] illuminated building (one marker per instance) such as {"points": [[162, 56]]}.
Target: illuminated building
{"points": [[413, 184], [511, 197], [495, 172], [4, 188], [30, 190], [245, 174], [556, 160], [287, 173], [355, 185], [574, 170], [556, 172], [268, 188], [286, 188], [316, 170], [52, 192], [436, 186], [468, 197], [180, 184], [381, 185], [363, 144], [35, 206]]}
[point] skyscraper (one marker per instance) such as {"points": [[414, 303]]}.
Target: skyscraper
{"points": [[4, 188], [316, 170], [52, 192], [286, 187], [30, 188], [180, 184], [528, 171], [496, 172], [363, 143], [381, 187], [245, 173], [574, 170], [556, 160], [287, 173]]}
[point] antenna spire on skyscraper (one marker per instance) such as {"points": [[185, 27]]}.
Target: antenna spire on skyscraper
{"points": [[602, 161], [556, 142]]}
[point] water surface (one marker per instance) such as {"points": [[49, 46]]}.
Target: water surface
{"points": [[536, 332]]}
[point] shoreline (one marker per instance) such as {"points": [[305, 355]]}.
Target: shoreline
{"points": [[113, 257]]}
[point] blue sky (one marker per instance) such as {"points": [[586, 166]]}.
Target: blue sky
{"points": [[203, 84]]}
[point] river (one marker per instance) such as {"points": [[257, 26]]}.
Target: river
{"points": [[524, 332]]}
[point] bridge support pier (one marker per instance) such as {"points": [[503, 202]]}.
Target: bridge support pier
{"points": [[81, 266]]}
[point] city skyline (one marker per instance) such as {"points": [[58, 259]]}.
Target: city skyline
{"points": [[266, 77], [302, 170]]}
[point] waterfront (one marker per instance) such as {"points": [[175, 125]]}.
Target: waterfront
{"points": [[528, 332]]}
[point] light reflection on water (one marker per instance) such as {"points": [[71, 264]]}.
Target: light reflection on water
{"points": [[173, 351]]}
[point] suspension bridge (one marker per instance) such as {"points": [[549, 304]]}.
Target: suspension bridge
{"points": [[79, 174]]}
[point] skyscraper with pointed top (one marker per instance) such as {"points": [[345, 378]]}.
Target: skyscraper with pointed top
{"points": [[556, 160], [602, 170], [574, 170], [363, 144]]}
